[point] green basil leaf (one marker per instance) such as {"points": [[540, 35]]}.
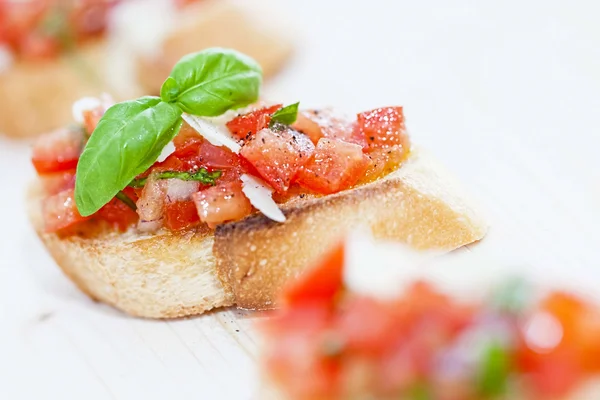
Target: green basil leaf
{"points": [[169, 90], [127, 141], [286, 115], [215, 80]]}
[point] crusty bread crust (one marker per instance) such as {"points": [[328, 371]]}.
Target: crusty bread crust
{"points": [[167, 275], [419, 204], [214, 24], [246, 263]]}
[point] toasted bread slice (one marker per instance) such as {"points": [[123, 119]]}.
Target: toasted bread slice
{"points": [[246, 263]]}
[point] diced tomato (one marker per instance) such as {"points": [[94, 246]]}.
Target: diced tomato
{"points": [[58, 181], [57, 151], [181, 215], [35, 46], [317, 124], [247, 125], [334, 166], [118, 214], [368, 326], [89, 18], [580, 324], [171, 163], [24, 24], [383, 161], [186, 133], [195, 152], [221, 203], [215, 157], [59, 211], [91, 118], [554, 374], [555, 371], [306, 123], [278, 155], [383, 127], [320, 283]]}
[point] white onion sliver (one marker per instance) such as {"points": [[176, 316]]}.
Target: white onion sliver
{"points": [[150, 204], [215, 134], [260, 196], [179, 190], [82, 105]]}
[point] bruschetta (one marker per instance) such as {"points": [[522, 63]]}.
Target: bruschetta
{"points": [[206, 197], [53, 52], [329, 341]]}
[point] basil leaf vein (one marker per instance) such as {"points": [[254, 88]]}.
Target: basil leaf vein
{"points": [[127, 141]]}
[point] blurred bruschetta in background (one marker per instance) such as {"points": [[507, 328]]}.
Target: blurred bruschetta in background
{"points": [[53, 52]]}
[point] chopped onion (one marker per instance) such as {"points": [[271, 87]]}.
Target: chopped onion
{"points": [[179, 190], [217, 135], [166, 152], [149, 226], [150, 204], [260, 196], [84, 104]]}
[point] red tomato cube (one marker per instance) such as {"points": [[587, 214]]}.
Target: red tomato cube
{"points": [[181, 215], [326, 123], [57, 151], [118, 214], [383, 127], [247, 125], [319, 284], [221, 203], [59, 211], [278, 155], [334, 166]]}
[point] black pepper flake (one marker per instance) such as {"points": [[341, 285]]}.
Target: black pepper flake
{"points": [[302, 195], [372, 138], [237, 330], [263, 140]]}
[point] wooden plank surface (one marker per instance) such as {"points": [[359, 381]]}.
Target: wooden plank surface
{"points": [[504, 93]]}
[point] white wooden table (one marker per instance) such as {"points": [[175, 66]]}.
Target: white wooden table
{"points": [[506, 94]]}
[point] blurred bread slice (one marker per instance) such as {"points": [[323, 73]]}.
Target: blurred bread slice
{"points": [[214, 23], [246, 263], [38, 95]]}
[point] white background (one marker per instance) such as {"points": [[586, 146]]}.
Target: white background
{"points": [[505, 93]]}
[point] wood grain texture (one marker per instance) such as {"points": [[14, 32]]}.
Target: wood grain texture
{"points": [[507, 100]]}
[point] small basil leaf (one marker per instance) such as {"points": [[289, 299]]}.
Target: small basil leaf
{"points": [[169, 90], [286, 115], [126, 142], [216, 80]]}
